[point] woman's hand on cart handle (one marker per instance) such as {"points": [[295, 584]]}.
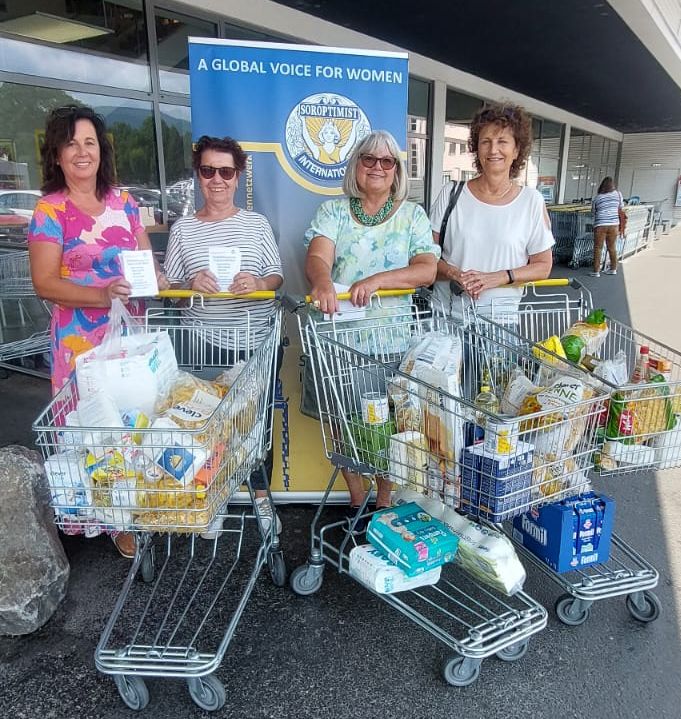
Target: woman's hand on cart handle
{"points": [[118, 289], [475, 283], [244, 283], [324, 298], [162, 281], [360, 292], [205, 282]]}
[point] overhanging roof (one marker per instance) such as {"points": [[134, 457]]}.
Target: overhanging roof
{"points": [[578, 55]]}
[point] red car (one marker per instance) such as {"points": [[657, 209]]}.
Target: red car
{"points": [[13, 226]]}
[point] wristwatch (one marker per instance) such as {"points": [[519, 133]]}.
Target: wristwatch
{"points": [[511, 277]]}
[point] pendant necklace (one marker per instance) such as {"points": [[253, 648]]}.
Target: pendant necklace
{"points": [[370, 220]]}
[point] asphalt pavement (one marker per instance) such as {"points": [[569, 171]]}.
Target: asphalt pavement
{"points": [[343, 652]]}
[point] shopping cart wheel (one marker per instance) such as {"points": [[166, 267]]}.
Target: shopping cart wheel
{"points": [[644, 606], [148, 565], [133, 691], [277, 566], [572, 611], [513, 652], [307, 579], [207, 692], [461, 671]]}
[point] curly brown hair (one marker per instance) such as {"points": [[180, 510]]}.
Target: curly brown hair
{"points": [[59, 130], [219, 144], [503, 114]]}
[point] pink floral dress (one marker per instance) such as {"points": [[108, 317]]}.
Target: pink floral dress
{"points": [[90, 257]]}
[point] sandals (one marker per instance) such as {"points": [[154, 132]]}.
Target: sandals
{"points": [[126, 544]]}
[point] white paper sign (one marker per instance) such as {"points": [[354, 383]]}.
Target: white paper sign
{"points": [[224, 263], [139, 271], [346, 310]]}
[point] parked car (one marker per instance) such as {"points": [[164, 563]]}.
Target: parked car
{"points": [[13, 226], [23, 202]]}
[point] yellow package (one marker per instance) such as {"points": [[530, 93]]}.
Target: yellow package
{"points": [[552, 344]]}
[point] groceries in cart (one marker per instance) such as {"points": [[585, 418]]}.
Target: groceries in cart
{"points": [[164, 457], [571, 534], [585, 337]]}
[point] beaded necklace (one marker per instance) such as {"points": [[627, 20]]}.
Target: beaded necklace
{"points": [[370, 220]]}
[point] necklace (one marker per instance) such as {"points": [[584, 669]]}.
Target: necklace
{"points": [[503, 194], [370, 220]]}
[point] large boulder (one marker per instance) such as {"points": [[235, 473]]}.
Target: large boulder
{"points": [[34, 570]]}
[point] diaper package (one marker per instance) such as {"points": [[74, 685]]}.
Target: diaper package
{"points": [[486, 554], [370, 567], [411, 538], [69, 484]]}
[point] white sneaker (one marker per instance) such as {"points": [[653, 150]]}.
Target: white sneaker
{"points": [[214, 528], [594, 274], [266, 512], [610, 272]]}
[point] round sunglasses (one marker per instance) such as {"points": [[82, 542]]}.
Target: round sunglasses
{"points": [[226, 173], [369, 161]]}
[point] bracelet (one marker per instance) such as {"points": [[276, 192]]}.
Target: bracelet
{"points": [[511, 277]]}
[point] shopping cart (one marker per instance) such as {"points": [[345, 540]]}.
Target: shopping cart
{"points": [[23, 317], [167, 485], [544, 313], [352, 361]]}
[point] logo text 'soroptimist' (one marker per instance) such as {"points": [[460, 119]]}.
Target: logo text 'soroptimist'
{"points": [[324, 110]]}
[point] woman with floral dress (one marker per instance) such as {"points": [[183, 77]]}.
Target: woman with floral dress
{"points": [[369, 240], [78, 230]]}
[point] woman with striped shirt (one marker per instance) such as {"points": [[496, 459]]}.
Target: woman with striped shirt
{"points": [[220, 223], [605, 207]]}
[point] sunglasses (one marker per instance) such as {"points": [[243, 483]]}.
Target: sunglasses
{"points": [[369, 161], [226, 173]]}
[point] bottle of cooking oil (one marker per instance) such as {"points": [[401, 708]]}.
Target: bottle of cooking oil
{"points": [[487, 400]]}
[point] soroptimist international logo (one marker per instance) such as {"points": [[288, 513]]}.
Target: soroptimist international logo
{"points": [[321, 131]]}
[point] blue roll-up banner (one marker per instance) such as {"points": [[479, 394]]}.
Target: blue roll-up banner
{"points": [[297, 111]]}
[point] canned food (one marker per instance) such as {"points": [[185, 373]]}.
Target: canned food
{"points": [[501, 437], [375, 408]]}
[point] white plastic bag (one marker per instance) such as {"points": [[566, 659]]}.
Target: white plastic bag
{"points": [[131, 365]]}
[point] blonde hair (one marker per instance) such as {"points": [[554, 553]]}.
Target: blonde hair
{"points": [[368, 146]]}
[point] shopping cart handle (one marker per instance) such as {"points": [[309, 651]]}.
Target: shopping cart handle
{"points": [[380, 293], [187, 294], [552, 282]]}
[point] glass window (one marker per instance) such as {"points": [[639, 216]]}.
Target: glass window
{"points": [[129, 123], [110, 37], [172, 31], [177, 151], [417, 139], [460, 109]]}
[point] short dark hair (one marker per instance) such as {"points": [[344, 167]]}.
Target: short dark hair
{"points": [[219, 144], [607, 185], [59, 130], [503, 114]]}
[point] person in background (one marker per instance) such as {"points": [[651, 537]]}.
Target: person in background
{"points": [[79, 228], [606, 208], [498, 234], [218, 163], [370, 239]]}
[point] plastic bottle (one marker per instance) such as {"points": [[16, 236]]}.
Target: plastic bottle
{"points": [[641, 370], [487, 400]]}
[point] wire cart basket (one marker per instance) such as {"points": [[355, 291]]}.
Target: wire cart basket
{"points": [[23, 317], [426, 447], [168, 484], [546, 313]]}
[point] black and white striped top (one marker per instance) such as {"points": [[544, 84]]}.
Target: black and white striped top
{"points": [[604, 207], [187, 255]]}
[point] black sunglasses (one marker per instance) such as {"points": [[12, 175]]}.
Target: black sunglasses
{"points": [[70, 110], [369, 161], [226, 173]]}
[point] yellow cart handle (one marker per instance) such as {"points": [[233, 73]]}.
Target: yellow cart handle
{"points": [[554, 282], [187, 294], [380, 293]]}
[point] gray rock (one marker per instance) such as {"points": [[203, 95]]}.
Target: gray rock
{"points": [[34, 570]]}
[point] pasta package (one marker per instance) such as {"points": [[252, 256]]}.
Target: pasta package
{"points": [[436, 359], [636, 415], [183, 388]]}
